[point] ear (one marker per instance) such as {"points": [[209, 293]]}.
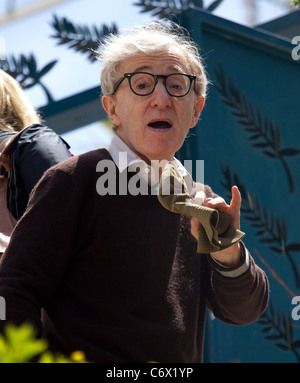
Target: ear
{"points": [[109, 105], [199, 104]]}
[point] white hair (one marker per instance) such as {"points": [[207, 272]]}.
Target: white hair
{"points": [[153, 38]]}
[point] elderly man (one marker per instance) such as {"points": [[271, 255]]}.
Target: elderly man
{"points": [[115, 273]]}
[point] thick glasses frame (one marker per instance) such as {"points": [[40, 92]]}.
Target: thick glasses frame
{"points": [[156, 77]]}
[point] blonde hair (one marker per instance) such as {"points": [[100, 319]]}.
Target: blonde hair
{"points": [[16, 112], [152, 38]]}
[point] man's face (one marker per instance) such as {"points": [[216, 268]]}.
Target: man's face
{"points": [[156, 125]]}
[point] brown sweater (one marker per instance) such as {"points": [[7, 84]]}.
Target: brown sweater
{"points": [[118, 276]]}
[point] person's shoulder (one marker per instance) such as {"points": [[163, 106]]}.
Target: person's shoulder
{"points": [[92, 157], [36, 132], [83, 163], [79, 171], [95, 155]]}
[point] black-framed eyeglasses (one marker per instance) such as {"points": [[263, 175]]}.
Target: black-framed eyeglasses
{"points": [[143, 83]]}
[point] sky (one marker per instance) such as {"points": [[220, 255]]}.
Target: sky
{"points": [[74, 73]]}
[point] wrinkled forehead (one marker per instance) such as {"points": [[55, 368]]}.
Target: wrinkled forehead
{"points": [[163, 62]]}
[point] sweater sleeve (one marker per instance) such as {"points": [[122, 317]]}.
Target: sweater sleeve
{"points": [[238, 295], [40, 247]]}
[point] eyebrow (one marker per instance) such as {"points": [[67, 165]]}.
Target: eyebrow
{"points": [[143, 68]]}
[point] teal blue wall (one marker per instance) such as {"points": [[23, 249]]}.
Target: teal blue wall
{"points": [[249, 135]]}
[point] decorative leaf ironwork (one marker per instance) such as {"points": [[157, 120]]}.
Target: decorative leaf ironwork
{"points": [[25, 71], [264, 134], [165, 9], [270, 230], [81, 38], [214, 5], [278, 328]]}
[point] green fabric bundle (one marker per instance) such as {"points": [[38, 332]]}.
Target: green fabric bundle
{"points": [[215, 232]]}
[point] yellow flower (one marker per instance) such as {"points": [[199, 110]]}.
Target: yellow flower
{"points": [[78, 356]]}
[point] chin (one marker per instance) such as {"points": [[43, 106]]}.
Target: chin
{"points": [[164, 151]]}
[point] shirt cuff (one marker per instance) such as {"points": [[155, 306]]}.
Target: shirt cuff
{"points": [[229, 271]]}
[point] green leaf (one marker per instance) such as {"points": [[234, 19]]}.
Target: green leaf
{"points": [[19, 344]]}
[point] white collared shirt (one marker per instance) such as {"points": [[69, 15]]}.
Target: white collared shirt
{"points": [[124, 157]]}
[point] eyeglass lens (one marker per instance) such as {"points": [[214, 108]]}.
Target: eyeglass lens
{"points": [[176, 84]]}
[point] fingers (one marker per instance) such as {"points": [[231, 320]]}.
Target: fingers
{"points": [[235, 206], [236, 200], [195, 224], [216, 203], [219, 204], [233, 209]]}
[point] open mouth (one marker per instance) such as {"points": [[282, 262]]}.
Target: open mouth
{"points": [[160, 125]]}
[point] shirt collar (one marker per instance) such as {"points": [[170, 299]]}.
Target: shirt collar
{"points": [[124, 157]]}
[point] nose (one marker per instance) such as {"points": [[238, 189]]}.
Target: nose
{"points": [[160, 97]]}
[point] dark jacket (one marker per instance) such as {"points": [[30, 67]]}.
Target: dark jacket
{"points": [[37, 149]]}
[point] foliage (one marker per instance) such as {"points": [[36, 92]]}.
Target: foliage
{"points": [[279, 329], [295, 2], [85, 39], [19, 344], [82, 39], [25, 70], [166, 9], [270, 229], [264, 134]]}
